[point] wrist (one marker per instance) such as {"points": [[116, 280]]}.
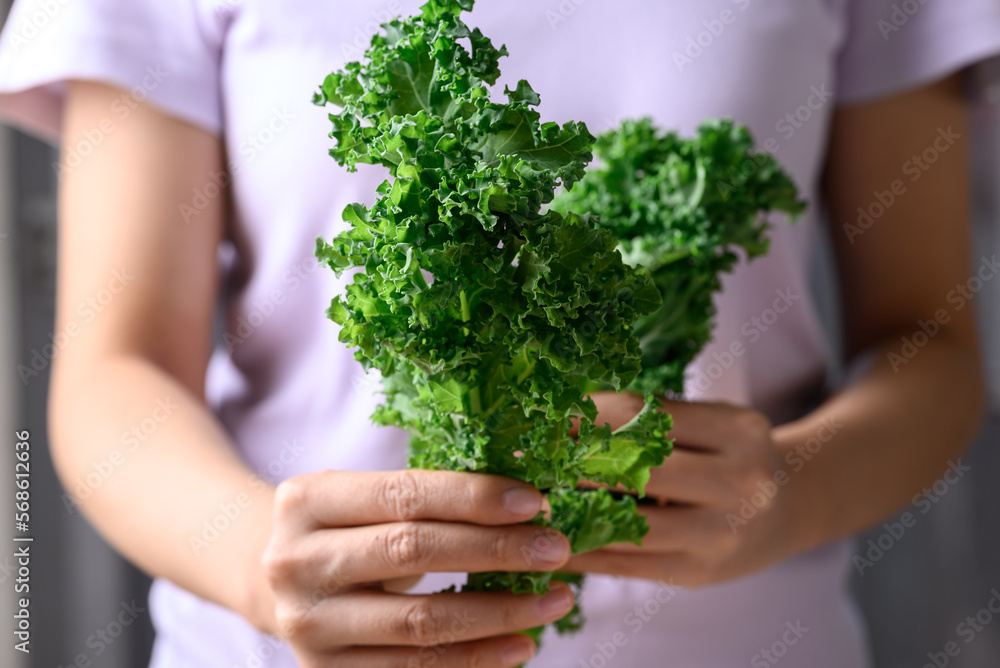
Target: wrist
{"points": [[799, 445], [256, 603]]}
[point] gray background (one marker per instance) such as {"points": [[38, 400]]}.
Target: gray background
{"points": [[940, 572]]}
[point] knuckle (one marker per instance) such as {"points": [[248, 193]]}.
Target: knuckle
{"points": [[756, 427], [280, 563], [406, 546], [512, 617], [478, 659], [421, 623], [501, 549], [294, 622], [329, 585], [727, 542], [400, 493], [290, 496]]}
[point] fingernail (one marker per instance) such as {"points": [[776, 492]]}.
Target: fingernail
{"points": [[556, 603], [517, 653], [549, 547], [522, 501]]}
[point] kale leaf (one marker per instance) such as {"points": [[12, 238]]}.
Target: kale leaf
{"points": [[681, 208]]}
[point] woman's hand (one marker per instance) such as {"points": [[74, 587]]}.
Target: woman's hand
{"points": [[724, 462], [339, 536]]}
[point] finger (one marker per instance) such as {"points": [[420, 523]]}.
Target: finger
{"points": [[505, 652], [676, 568], [691, 476], [713, 426], [617, 409], [353, 498], [702, 425], [388, 551], [673, 529], [687, 476], [370, 617]]}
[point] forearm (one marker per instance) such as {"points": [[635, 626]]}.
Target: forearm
{"points": [[867, 451], [155, 473]]}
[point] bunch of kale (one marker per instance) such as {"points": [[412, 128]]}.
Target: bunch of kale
{"points": [[487, 317], [491, 315]]}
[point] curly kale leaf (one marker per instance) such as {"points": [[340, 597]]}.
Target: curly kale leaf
{"points": [[681, 208], [590, 519]]}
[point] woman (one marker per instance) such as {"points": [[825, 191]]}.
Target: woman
{"points": [[193, 163]]}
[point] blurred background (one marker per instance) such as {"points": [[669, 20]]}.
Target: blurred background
{"points": [[915, 597]]}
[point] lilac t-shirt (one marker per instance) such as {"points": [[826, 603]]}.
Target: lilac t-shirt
{"points": [[292, 397]]}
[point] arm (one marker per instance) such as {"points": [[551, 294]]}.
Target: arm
{"points": [[305, 560], [904, 417], [150, 343], [893, 429]]}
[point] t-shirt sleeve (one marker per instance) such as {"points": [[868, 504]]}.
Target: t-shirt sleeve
{"points": [[165, 52], [894, 45]]}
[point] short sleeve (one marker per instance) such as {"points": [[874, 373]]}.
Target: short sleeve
{"points": [[166, 53], [894, 45]]}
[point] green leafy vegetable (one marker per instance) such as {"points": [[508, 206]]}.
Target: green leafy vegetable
{"points": [[681, 208], [487, 317], [491, 310]]}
